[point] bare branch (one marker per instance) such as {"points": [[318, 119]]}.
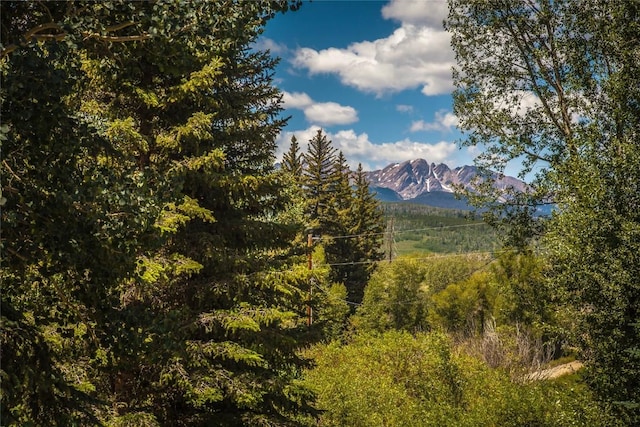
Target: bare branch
{"points": [[117, 39], [6, 165], [36, 30], [35, 33], [119, 27], [536, 156], [7, 50]]}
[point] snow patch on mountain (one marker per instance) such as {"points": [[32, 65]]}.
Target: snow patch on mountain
{"points": [[415, 177]]}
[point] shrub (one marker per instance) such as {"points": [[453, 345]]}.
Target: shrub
{"points": [[398, 379]]}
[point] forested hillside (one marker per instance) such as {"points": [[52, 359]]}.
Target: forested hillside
{"points": [[157, 269], [424, 229]]}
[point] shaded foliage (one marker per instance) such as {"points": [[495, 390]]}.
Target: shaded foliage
{"points": [[142, 251]]}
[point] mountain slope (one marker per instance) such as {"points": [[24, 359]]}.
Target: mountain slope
{"points": [[417, 180]]}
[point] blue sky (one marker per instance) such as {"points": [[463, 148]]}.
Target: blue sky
{"points": [[375, 75]]}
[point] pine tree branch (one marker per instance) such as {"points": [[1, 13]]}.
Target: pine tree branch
{"points": [[117, 39], [34, 33]]}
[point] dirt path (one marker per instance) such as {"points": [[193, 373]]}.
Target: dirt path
{"points": [[556, 371]]}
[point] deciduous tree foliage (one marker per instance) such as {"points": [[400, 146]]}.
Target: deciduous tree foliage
{"points": [[464, 307], [399, 294], [424, 380], [140, 247], [556, 84]]}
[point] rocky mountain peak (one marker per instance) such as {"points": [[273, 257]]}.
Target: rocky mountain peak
{"points": [[414, 178]]}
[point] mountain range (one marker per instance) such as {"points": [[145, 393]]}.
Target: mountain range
{"points": [[418, 181]]}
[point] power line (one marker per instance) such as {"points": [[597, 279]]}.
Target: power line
{"points": [[349, 236], [430, 257], [418, 300], [441, 227], [335, 298], [383, 233]]}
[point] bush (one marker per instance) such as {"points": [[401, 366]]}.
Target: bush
{"points": [[397, 379], [398, 294]]}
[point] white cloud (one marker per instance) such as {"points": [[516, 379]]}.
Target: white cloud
{"points": [[265, 43], [475, 150], [320, 113], [415, 55], [444, 121], [417, 12], [411, 57], [528, 101], [298, 100], [330, 113], [357, 148], [517, 102]]}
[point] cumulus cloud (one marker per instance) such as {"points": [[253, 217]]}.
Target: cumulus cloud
{"points": [[330, 113], [298, 100], [416, 55], [527, 101], [409, 58], [358, 148], [444, 121], [320, 113], [417, 12]]}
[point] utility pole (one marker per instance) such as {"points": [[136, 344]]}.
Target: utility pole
{"points": [[390, 240], [310, 265]]}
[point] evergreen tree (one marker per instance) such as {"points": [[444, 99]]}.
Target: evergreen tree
{"points": [[319, 183], [339, 250], [140, 218], [336, 209], [78, 211], [360, 227], [342, 192], [291, 175], [292, 159], [367, 223]]}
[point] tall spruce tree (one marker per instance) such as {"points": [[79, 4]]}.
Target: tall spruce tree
{"points": [[141, 256], [292, 159], [359, 230], [77, 213], [367, 224], [339, 248], [342, 192], [349, 218], [319, 183]]}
